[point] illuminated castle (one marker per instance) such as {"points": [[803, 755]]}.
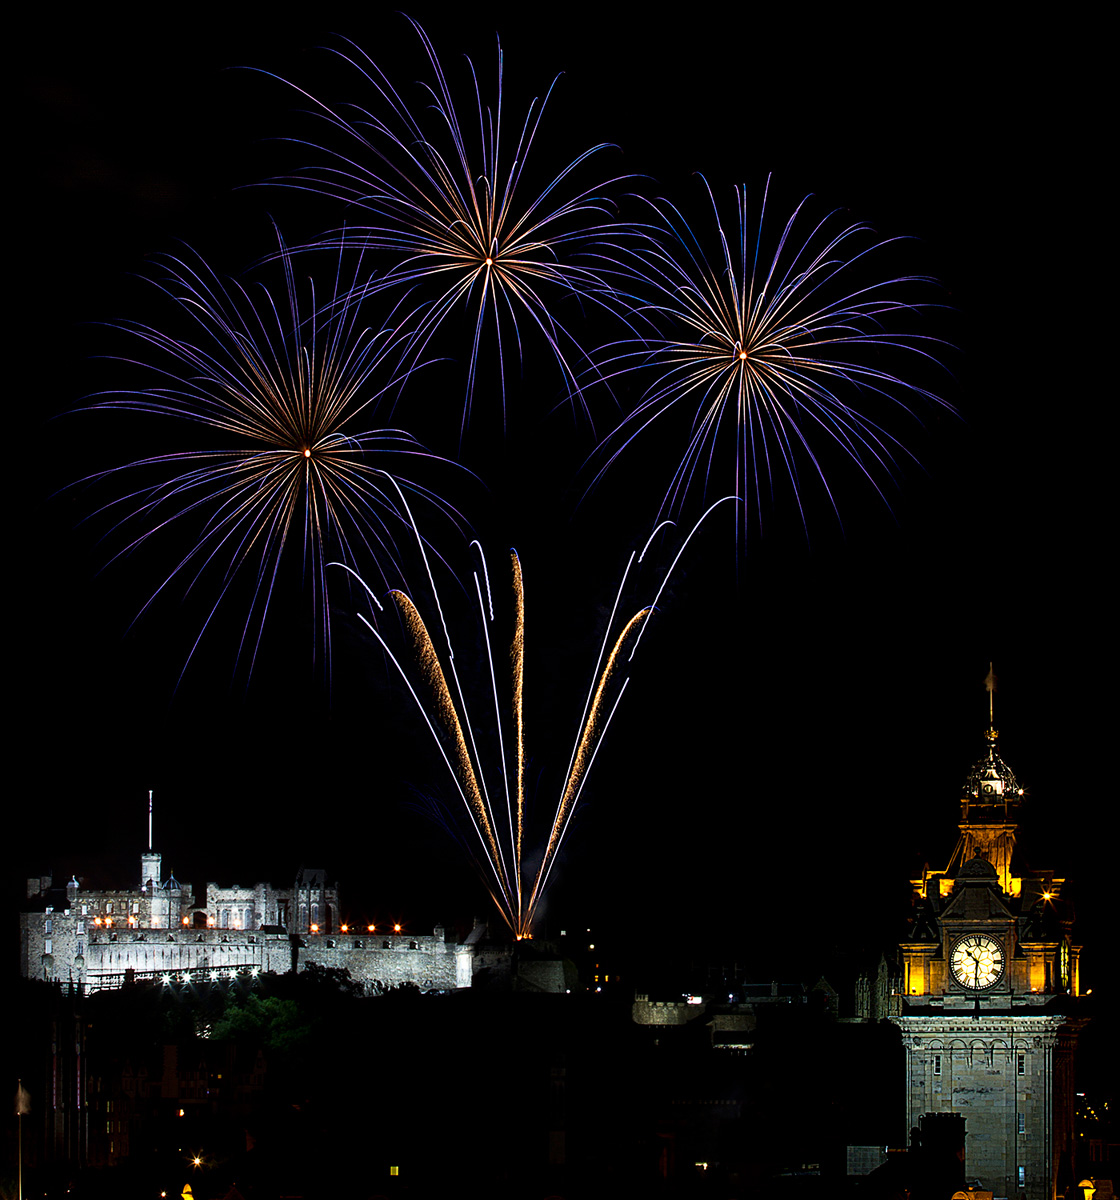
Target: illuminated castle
{"points": [[990, 987], [160, 930]]}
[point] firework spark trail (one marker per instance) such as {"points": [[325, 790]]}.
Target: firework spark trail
{"points": [[766, 348], [517, 664], [434, 677], [502, 862], [454, 225], [586, 747], [291, 389]]}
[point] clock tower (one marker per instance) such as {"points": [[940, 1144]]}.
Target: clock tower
{"points": [[990, 990]]}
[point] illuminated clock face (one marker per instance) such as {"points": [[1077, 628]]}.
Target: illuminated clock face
{"points": [[976, 961]]}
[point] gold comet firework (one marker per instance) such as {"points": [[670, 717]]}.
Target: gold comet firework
{"points": [[497, 839]]}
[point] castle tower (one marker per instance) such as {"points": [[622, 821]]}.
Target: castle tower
{"points": [[990, 995], [150, 863]]}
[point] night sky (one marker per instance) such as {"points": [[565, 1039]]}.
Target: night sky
{"points": [[802, 715]]}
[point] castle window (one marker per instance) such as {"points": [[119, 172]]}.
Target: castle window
{"points": [[357, 945], [937, 1064], [1022, 1122], [48, 926], [1021, 1064], [47, 946], [386, 945], [1022, 1176], [414, 945]]}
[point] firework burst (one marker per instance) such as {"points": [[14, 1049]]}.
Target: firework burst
{"points": [[767, 352], [456, 224], [284, 398]]}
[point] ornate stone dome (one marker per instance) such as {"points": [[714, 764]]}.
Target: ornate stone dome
{"points": [[991, 780]]}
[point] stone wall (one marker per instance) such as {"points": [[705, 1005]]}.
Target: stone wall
{"points": [[380, 963]]}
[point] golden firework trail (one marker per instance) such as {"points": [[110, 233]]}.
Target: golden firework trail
{"points": [[499, 844]]}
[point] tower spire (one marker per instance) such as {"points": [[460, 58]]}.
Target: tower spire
{"points": [[990, 687], [990, 803]]}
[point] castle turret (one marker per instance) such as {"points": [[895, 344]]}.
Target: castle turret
{"points": [[150, 871]]}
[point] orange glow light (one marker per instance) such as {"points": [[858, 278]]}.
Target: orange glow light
{"points": [[396, 928], [314, 928]]}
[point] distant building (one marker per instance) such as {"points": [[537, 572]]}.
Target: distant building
{"points": [[989, 997], [160, 930]]}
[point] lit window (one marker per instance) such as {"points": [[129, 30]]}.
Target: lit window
{"points": [[937, 1064], [1022, 1176], [1021, 1064]]}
